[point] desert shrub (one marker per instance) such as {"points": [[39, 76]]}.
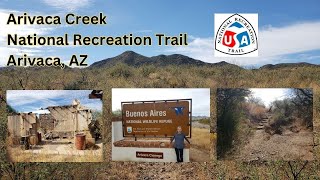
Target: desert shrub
{"points": [[117, 113], [255, 112], [205, 72], [227, 124], [303, 101], [96, 125], [285, 107], [258, 112], [11, 110], [229, 102], [73, 86], [298, 107], [121, 70], [147, 70], [277, 122], [204, 121]]}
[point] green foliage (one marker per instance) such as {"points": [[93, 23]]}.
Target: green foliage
{"points": [[73, 86], [303, 101], [96, 124], [147, 70], [117, 113], [204, 121], [278, 121], [3, 130], [285, 107], [121, 70], [297, 107], [11, 110], [228, 115]]}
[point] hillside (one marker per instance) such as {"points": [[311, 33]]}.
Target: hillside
{"points": [[134, 59], [288, 65]]}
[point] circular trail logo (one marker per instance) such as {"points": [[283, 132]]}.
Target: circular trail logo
{"points": [[129, 129], [236, 35]]}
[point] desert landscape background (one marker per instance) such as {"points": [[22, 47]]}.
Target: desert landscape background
{"points": [[177, 71]]}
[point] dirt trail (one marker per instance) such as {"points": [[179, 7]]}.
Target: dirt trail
{"points": [[148, 171], [288, 146], [198, 155]]}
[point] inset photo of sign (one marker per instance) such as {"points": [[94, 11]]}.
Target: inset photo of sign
{"points": [[160, 125], [236, 35]]}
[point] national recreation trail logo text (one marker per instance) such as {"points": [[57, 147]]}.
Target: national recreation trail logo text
{"points": [[236, 35]]}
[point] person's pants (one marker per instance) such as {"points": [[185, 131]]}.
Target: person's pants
{"points": [[179, 153]]}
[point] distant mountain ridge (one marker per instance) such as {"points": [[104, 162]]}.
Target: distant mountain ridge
{"points": [[288, 65], [134, 59], [195, 118]]}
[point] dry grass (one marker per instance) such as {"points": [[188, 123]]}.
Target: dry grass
{"points": [[201, 138], [16, 154]]}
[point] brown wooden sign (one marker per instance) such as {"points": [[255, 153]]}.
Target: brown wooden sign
{"points": [[152, 155], [156, 118]]}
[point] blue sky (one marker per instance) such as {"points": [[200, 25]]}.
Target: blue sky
{"points": [[268, 95], [34, 100], [288, 30]]}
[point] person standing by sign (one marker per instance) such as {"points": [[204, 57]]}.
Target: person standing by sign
{"points": [[179, 138]]}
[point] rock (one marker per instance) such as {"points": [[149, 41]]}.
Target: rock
{"points": [[278, 131], [294, 129], [162, 170], [260, 127], [267, 137]]}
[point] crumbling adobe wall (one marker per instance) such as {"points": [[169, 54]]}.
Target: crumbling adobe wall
{"points": [[46, 122]]}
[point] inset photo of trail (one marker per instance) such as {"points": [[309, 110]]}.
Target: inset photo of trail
{"points": [[261, 124]]}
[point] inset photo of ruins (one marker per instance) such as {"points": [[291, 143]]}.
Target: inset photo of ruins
{"points": [[262, 124], [54, 125]]}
